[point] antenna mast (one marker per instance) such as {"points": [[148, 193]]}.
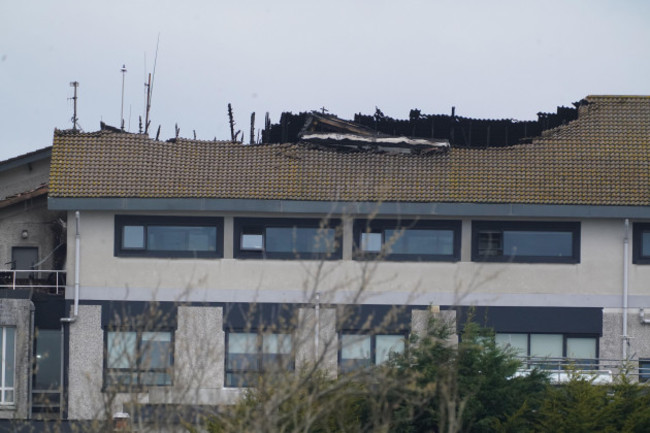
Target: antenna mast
{"points": [[146, 113], [149, 87], [123, 70], [74, 119], [155, 61]]}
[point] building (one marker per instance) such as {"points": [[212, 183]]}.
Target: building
{"points": [[192, 264], [32, 286], [23, 203]]}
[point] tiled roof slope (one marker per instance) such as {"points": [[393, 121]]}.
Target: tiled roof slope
{"points": [[603, 158]]}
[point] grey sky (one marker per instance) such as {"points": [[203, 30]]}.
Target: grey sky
{"points": [[490, 59]]}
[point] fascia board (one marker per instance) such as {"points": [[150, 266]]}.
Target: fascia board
{"points": [[350, 208]]}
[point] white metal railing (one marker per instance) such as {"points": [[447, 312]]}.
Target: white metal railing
{"points": [[47, 280], [598, 370], [597, 377]]}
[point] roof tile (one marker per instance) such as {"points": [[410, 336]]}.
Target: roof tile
{"points": [[602, 158]]}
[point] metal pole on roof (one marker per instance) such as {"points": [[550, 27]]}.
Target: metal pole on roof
{"points": [[146, 113], [74, 84], [123, 70]]}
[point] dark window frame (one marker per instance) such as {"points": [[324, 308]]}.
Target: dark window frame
{"points": [[47, 399], [381, 225], [155, 220], [565, 336], [4, 363], [373, 345], [137, 370], [259, 346], [637, 243], [644, 370], [479, 226], [259, 225]]}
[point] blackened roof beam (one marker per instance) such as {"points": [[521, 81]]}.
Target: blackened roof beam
{"points": [[331, 132]]}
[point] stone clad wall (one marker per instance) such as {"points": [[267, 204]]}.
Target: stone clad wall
{"points": [[17, 313], [86, 346], [611, 342]]}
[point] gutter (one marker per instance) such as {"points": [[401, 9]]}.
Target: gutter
{"points": [[77, 259], [331, 207]]}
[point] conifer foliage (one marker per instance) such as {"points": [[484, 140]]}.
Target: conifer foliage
{"points": [[439, 386]]}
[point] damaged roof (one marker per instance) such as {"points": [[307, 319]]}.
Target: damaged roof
{"points": [[24, 196], [602, 158], [328, 131]]}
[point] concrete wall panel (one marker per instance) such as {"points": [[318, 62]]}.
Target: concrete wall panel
{"points": [[85, 369], [199, 348], [17, 313]]}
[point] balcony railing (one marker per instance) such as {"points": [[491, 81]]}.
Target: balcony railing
{"points": [[599, 371], [47, 281]]}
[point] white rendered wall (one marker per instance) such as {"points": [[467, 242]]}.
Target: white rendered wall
{"points": [[596, 281]]}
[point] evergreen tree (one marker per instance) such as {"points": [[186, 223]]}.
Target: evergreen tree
{"points": [[471, 387]]}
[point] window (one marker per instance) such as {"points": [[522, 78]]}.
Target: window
{"points": [[287, 238], [155, 236], [249, 354], [644, 370], [8, 353], [408, 240], [47, 380], [138, 358], [526, 241], [517, 342], [641, 243], [545, 350], [364, 350], [553, 351]]}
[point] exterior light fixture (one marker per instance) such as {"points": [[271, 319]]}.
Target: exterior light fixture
{"points": [[24, 234]]}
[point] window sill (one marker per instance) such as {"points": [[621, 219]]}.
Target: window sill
{"points": [[528, 260], [135, 389], [289, 258], [370, 257], [180, 256]]}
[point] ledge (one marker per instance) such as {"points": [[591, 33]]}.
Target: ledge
{"points": [[350, 208]]}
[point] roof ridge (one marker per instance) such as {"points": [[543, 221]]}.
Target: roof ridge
{"points": [[598, 159], [198, 141], [588, 112], [619, 96], [549, 133]]}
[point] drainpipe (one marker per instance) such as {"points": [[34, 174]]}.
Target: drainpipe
{"points": [[317, 313], [30, 382], [77, 258], [626, 243]]}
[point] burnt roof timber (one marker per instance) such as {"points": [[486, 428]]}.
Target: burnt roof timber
{"points": [[339, 125]]}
